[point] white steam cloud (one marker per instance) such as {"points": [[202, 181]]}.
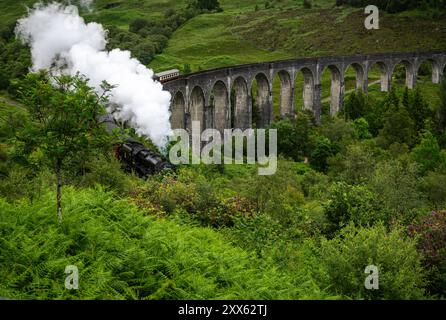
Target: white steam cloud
{"points": [[58, 36]]}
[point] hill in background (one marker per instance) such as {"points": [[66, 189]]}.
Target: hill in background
{"points": [[250, 31]]}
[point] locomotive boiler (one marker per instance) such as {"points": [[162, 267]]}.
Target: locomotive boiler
{"points": [[134, 156]]}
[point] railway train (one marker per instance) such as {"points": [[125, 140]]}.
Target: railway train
{"points": [[136, 157], [167, 75]]}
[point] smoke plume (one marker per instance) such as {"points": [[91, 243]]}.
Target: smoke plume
{"points": [[61, 41]]}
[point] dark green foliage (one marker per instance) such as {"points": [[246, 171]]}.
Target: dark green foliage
{"points": [[428, 153], [209, 5], [295, 136], [398, 126], [323, 150], [441, 114], [355, 204], [63, 125], [4, 81], [419, 110], [355, 105], [343, 261], [307, 4], [15, 62], [431, 235]]}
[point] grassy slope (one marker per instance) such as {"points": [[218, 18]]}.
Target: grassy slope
{"points": [[240, 34]]}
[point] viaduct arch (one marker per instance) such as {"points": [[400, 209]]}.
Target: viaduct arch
{"points": [[222, 98]]}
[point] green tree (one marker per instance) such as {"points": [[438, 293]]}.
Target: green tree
{"points": [[428, 153], [63, 123], [355, 106], [323, 150], [186, 68], [397, 184], [398, 125], [348, 203], [343, 259], [362, 129], [419, 110], [441, 113], [295, 136]]}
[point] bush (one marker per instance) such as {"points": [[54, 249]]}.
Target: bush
{"points": [[435, 189], [398, 186], [431, 235], [428, 153], [356, 163], [351, 204], [323, 150], [307, 4], [294, 136], [4, 81], [341, 263]]}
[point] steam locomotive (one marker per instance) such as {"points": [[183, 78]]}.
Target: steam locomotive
{"points": [[136, 157]]}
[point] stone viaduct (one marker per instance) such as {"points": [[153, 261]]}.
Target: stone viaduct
{"points": [[221, 98]]}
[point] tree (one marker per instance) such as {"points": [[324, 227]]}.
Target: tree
{"points": [[355, 106], [186, 68], [348, 203], [295, 136], [398, 125], [362, 129], [441, 113], [4, 81], [63, 123], [419, 110], [323, 150], [428, 153], [206, 5]]}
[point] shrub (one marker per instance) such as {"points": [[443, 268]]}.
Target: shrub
{"points": [[356, 163], [307, 4], [435, 189], [342, 261], [351, 204], [431, 235], [355, 106], [361, 129], [398, 186], [4, 81], [428, 153], [322, 151]]}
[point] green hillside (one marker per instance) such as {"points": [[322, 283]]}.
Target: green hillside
{"points": [[246, 31], [362, 188], [241, 34]]}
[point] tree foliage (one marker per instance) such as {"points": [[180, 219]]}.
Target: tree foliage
{"points": [[63, 123]]}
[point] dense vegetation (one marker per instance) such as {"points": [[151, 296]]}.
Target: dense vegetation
{"points": [[370, 194], [364, 187]]}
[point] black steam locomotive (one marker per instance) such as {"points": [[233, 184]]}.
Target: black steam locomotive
{"points": [[136, 157]]}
